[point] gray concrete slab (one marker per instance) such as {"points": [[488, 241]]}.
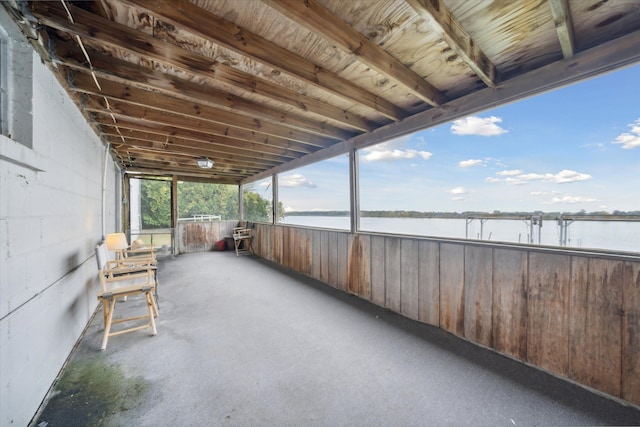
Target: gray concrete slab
{"points": [[242, 342]]}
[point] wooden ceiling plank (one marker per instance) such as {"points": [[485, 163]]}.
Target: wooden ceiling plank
{"points": [[68, 54], [139, 172], [123, 110], [257, 148], [313, 16], [196, 20], [444, 23], [132, 95], [158, 143], [146, 157], [93, 27], [148, 147], [202, 95], [564, 26]]}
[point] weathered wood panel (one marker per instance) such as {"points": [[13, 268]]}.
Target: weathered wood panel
{"points": [[324, 257], [429, 287], [378, 270], [343, 261], [202, 236], [452, 288], [595, 349], [548, 311], [277, 244], [359, 266], [510, 287], [631, 333], [392, 273], [409, 279], [306, 252], [316, 255], [478, 294], [332, 241]]}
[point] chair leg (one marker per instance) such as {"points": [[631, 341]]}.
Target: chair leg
{"points": [[151, 300], [109, 319], [151, 306]]}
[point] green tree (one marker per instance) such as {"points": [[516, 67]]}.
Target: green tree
{"points": [[256, 208], [196, 198], [155, 203]]}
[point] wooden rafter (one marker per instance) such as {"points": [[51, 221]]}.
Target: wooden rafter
{"points": [[293, 128], [173, 143], [68, 54], [564, 26], [456, 37], [205, 138], [196, 20], [315, 17]]}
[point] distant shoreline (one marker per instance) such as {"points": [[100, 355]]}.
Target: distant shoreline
{"points": [[596, 216]]}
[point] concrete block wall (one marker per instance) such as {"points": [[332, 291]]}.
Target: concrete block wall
{"points": [[51, 218]]}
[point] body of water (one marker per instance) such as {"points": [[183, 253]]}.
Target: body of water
{"points": [[609, 235]]}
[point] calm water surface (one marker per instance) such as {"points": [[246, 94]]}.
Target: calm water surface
{"points": [[610, 235]]}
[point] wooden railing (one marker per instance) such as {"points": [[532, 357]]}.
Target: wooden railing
{"points": [[575, 314]]}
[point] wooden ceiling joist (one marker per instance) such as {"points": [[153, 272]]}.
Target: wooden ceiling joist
{"points": [[313, 16], [233, 146], [456, 37], [564, 26], [107, 67], [289, 128], [196, 20]]}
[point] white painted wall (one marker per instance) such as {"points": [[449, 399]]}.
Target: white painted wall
{"points": [[50, 222]]}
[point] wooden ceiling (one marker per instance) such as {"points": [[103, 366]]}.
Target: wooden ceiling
{"points": [[263, 86]]}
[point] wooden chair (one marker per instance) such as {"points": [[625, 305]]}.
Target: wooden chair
{"points": [[242, 239], [121, 278]]}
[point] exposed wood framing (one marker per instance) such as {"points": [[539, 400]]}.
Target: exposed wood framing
{"points": [[564, 26]]}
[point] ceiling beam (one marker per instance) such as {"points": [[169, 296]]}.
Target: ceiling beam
{"points": [[454, 34], [169, 132], [174, 144], [108, 67], [564, 26], [122, 110], [158, 148], [313, 16], [198, 21], [316, 134]]}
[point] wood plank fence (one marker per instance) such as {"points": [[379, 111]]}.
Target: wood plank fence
{"points": [[572, 313], [201, 236]]}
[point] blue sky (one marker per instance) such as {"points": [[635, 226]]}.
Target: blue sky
{"points": [[570, 149]]}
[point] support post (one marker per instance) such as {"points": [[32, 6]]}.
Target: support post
{"points": [[174, 210], [274, 199], [240, 202], [354, 190]]}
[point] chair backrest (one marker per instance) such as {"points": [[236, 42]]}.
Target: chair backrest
{"points": [[102, 256]]}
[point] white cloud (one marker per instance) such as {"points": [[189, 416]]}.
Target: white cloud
{"points": [[295, 180], [509, 172], [469, 163], [473, 125], [518, 177], [630, 140], [543, 193], [573, 199], [457, 199], [395, 154], [565, 176], [458, 190]]}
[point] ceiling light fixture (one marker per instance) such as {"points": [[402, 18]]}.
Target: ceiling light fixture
{"points": [[204, 163]]}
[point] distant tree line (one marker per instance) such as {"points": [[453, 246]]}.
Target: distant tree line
{"points": [[465, 214], [198, 198]]}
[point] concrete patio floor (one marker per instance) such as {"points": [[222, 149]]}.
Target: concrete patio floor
{"points": [[243, 342]]}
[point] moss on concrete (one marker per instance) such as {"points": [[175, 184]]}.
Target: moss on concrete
{"points": [[89, 392]]}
